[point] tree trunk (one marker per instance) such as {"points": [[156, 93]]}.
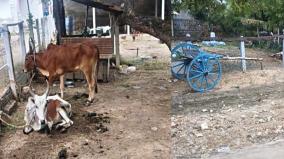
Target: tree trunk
{"points": [[151, 25]]}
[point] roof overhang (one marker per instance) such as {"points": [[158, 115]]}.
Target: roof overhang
{"points": [[111, 8]]}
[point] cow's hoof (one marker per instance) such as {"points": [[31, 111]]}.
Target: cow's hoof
{"points": [[63, 130], [27, 131], [58, 127], [47, 130], [88, 102]]}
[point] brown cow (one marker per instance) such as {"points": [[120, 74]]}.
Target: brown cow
{"points": [[60, 59]]}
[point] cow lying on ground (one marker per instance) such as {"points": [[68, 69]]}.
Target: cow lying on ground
{"points": [[45, 112], [60, 59]]}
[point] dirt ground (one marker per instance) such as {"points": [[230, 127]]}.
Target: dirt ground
{"points": [[137, 107], [245, 109]]}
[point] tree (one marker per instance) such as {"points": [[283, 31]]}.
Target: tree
{"points": [[230, 13], [154, 26]]}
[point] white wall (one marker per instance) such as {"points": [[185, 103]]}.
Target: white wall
{"points": [[5, 9], [35, 8]]}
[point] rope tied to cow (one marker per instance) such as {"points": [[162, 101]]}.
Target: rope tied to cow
{"points": [[7, 123], [8, 116]]}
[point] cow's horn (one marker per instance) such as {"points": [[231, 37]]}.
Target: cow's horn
{"points": [[31, 92], [47, 90]]}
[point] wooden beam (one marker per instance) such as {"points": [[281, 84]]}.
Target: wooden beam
{"points": [[98, 5], [241, 58], [116, 35], [94, 20], [112, 31], [115, 38], [62, 17], [156, 8], [59, 16]]}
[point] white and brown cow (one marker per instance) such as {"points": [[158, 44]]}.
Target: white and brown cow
{"points": [[44, 110]]}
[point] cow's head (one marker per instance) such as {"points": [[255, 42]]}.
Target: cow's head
{"points": [[29, 62], [35, 111]]}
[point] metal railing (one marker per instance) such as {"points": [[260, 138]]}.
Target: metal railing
{"points": [[8, 52]]}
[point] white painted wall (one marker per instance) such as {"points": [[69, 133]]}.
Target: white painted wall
{"points": [[35, 8], [5, 9], [17, 10]]}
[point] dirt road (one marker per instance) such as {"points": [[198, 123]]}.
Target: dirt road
{"points": [[244, 110]]}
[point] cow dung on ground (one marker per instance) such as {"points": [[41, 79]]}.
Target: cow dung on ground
{"points": [[98, 120]]}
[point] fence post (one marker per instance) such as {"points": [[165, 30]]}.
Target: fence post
{"points": [[22, 40], [38, 34], [243, 54], [43, 28], [9, 60]]}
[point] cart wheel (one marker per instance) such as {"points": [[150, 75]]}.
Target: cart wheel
{"points": [[178, 69], [185, 50], [182, 55], [204, 73]]}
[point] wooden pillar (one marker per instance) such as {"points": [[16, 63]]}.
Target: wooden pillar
{"points": [[38, 35], [44, 30], [243, 54], [116, 41], [9, 60], [156, 8], [22, 40], [163, 10], [86, 22], [115, 38], [112, 30], [94, 20], [59, 16]]}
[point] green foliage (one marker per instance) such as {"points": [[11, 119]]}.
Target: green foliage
{"points": [[267, 45], [231, 14]]}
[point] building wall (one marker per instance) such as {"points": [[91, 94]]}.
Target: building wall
{"points": [[35, 8], [5, 9], [17, 10]]}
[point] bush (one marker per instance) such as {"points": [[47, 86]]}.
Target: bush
{"points": [[267, 45]]}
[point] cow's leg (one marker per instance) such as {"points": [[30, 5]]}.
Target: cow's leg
{"points": [[61, 85], [65, 117], [95, 76], [50, 80], [61, 124], [66, 122], [49, 127], [27, 130], [91, 82]]}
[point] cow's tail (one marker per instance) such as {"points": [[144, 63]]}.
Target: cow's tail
{"points": [[97, 70]]}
